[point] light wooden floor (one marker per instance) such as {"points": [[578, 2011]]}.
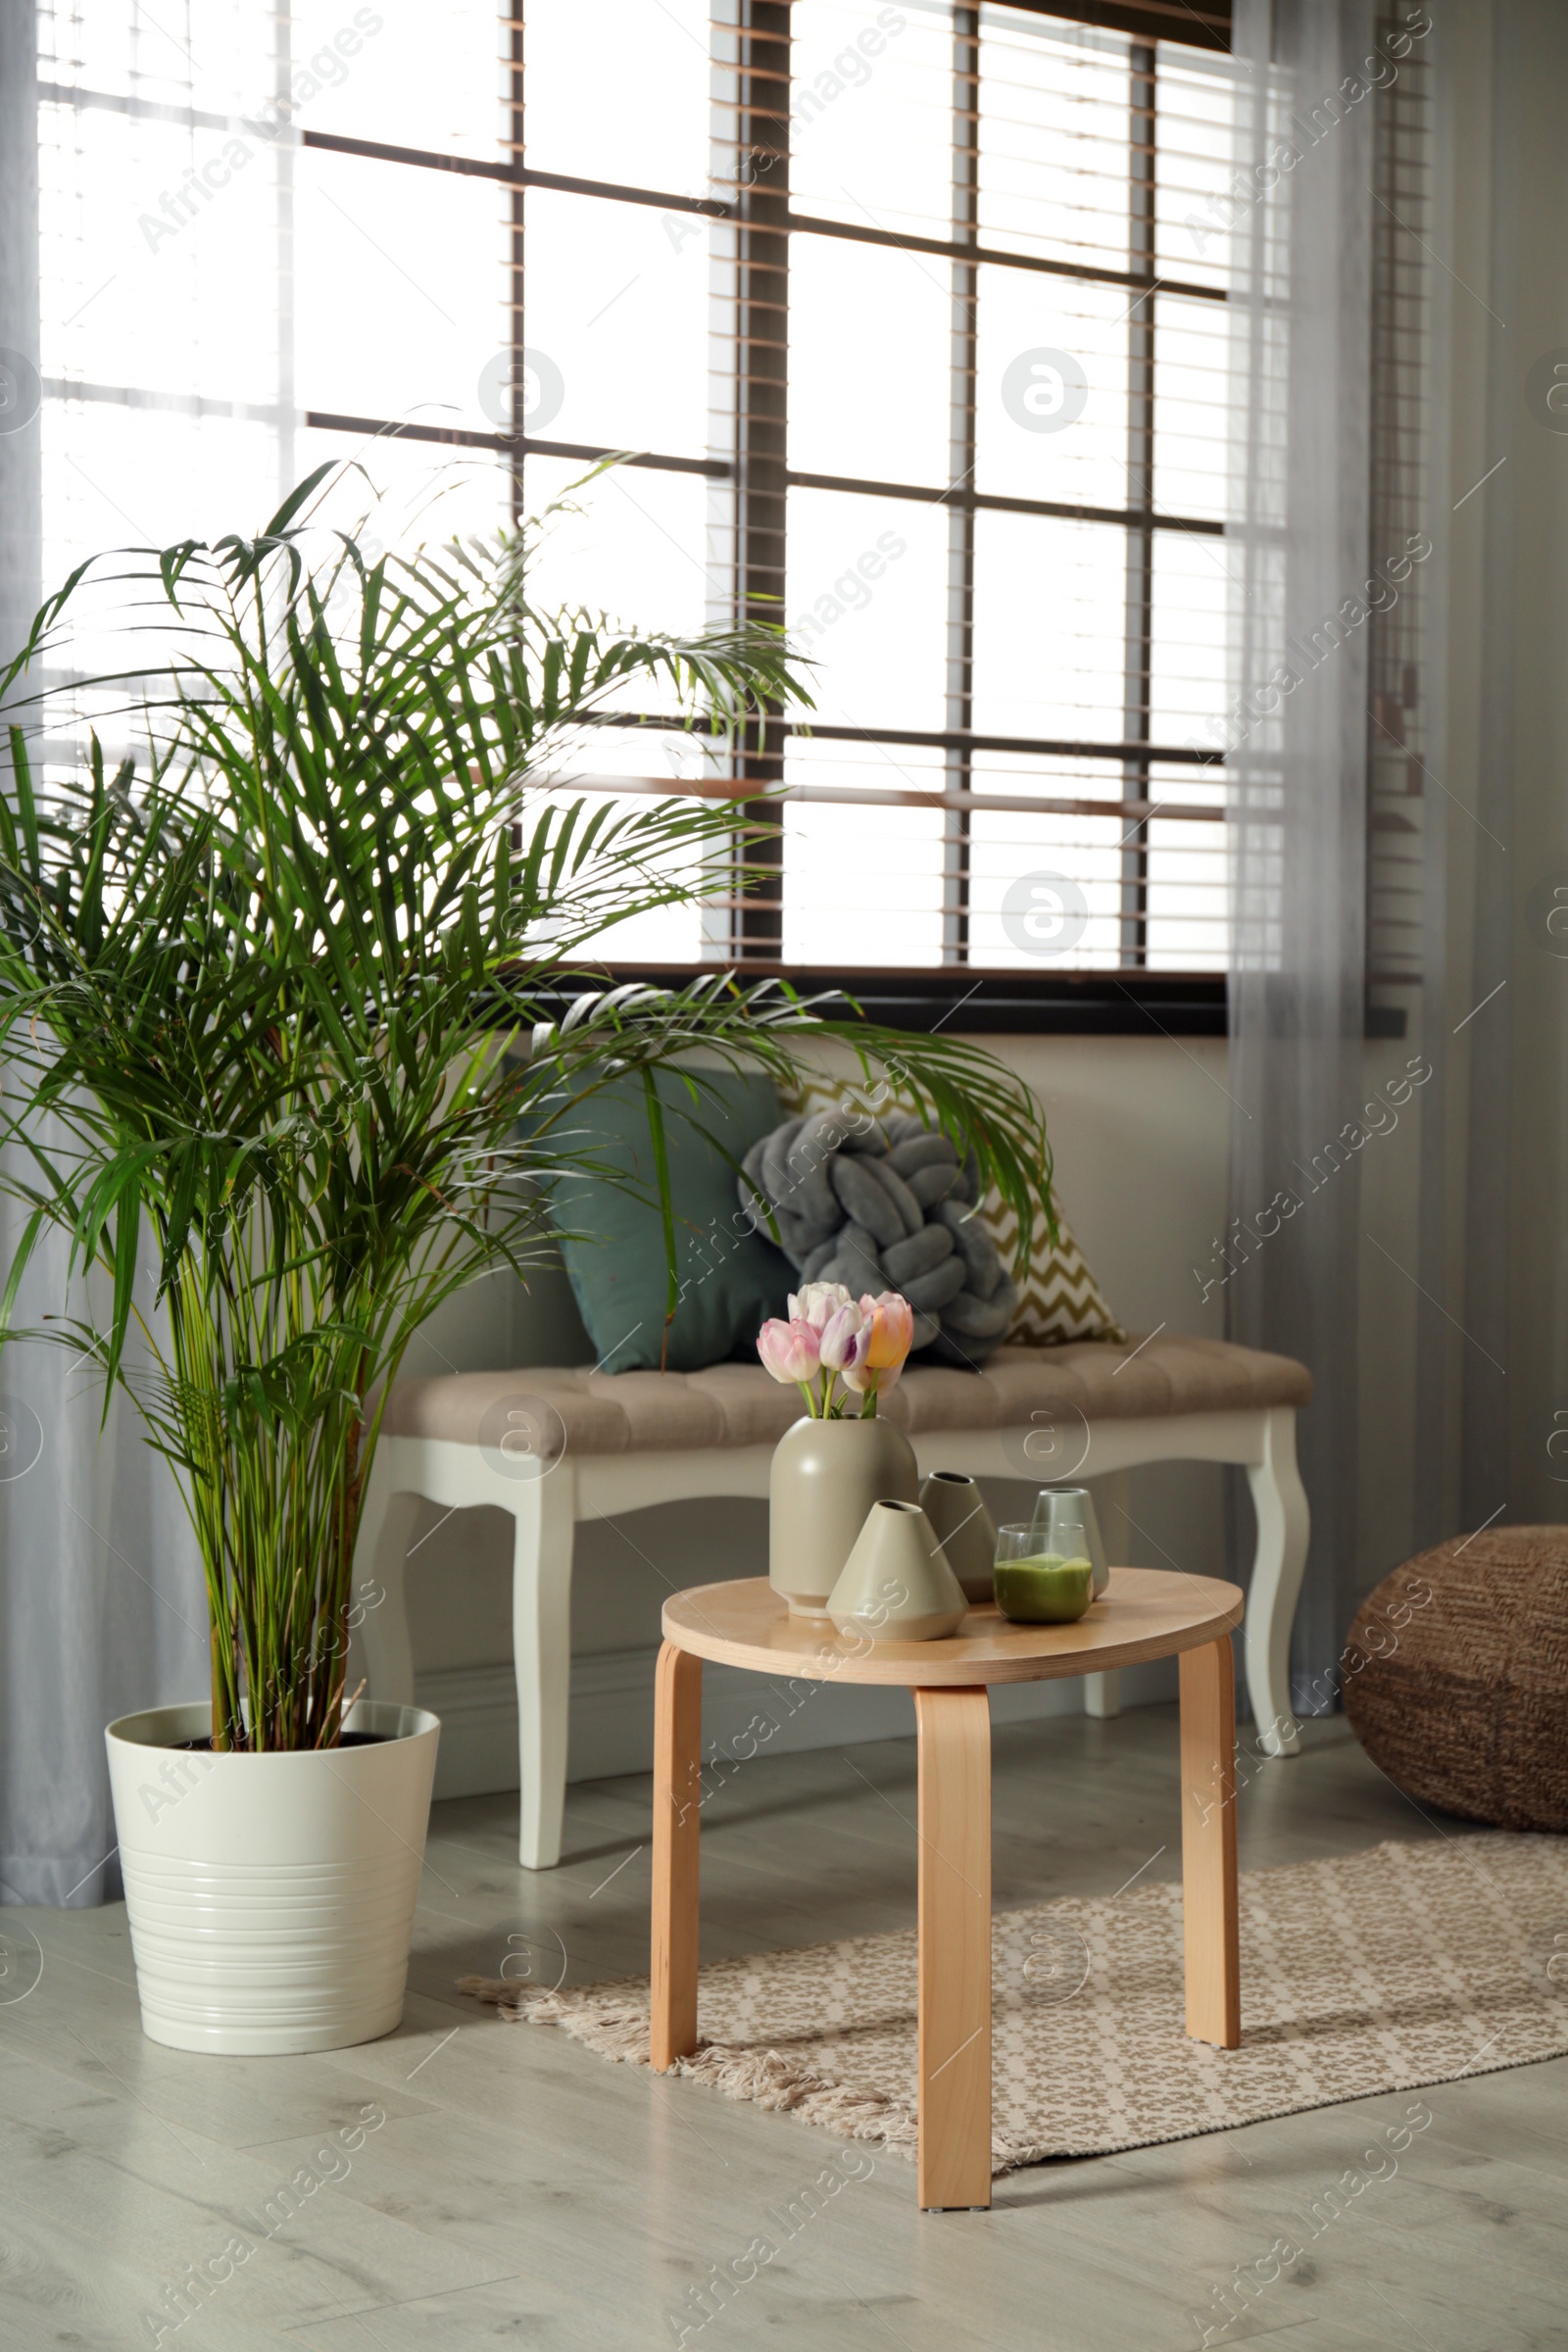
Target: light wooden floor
{"points": [[522, 2191]]}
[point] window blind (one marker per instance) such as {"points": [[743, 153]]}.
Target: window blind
{"points": [[965, 430], [908, 320]]}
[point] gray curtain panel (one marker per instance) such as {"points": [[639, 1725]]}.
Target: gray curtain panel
{"points": [[101, 1601], [1492, 1435]]}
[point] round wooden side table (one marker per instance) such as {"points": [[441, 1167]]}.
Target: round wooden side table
{"points": [[1144, 1613]]}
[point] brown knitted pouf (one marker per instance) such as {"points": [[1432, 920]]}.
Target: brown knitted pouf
{"points": [[1456, 1677]]}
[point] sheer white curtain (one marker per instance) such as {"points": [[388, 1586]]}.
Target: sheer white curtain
{"points": [[102, 1606], [1400, 858], [1299, 213], [183, 285], [144, 393]]}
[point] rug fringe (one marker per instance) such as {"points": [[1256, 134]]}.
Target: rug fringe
{"points": [[619, 2029]]}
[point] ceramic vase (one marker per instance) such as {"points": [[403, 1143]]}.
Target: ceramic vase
{"points": [[1065, 1520], [897, 1584], [826, 1475], [270, 1897], [953, 1502]]}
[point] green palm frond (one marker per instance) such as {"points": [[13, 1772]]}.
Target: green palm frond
{"points": [[298, 978]]}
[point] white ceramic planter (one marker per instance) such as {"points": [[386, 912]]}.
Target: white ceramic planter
{"points": [[270, 1897]]}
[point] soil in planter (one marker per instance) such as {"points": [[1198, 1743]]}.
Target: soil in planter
{"points": [[204, 1745]]}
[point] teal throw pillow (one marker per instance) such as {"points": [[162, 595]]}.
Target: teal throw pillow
{"points": [[728, 1281]]}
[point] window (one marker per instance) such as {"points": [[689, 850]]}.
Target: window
{"points": [[967, 399], [907, 314]]}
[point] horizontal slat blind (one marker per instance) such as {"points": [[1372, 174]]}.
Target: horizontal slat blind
{"points": [[1203, 26], [912, 314], [970, 397]]}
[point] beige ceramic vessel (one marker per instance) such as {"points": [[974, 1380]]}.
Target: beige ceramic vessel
{"points": [[826, 1476], [1067, 1523], [953, 1502], [897, 1584]]}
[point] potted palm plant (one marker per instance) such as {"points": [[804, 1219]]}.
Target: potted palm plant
{"points": [[292, 982]]}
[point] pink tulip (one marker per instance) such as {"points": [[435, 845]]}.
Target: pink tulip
{"points": [[790, 1349], [817, 1301], [844, 1339]]}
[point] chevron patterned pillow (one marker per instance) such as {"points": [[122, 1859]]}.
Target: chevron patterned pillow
{"points": [[1058, 1297]]}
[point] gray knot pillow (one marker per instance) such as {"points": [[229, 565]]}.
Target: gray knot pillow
{"points": [[885, 1206]]}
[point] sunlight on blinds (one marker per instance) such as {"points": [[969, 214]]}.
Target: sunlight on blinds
{"points": [[915, 315]]}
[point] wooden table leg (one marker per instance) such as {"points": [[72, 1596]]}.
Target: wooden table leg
{"points": [[955, 1821], [1208, 1845], [677, 1805]]}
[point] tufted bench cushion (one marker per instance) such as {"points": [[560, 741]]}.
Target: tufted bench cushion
{"points": [[740, 1404], [1456, 1677]]}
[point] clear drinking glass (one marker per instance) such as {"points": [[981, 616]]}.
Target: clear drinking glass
{"points": [[1035, 1586]]}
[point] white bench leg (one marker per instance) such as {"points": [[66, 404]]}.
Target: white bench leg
{"points": [[1103, 1694], [378, 1646], [1283, 1525], [541, 1636]]}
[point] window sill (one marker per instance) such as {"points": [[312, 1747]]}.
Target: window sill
{"points": [[1066, 1004]]}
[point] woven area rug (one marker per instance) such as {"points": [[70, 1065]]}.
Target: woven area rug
{"points": [[1384, 1971]]}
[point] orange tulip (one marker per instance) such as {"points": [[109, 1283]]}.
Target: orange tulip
{"points": [[890, 1322]]}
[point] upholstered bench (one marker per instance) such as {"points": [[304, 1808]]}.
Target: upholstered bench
{"points": [[554, 1447]]}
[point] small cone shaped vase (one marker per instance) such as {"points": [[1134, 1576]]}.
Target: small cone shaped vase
{"points": [[897, 1584]]}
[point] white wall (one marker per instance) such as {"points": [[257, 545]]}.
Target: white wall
{"points": [[1139, 1128]]}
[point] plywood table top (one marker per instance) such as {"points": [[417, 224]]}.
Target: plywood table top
{"points": [[1143, 1613]]}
